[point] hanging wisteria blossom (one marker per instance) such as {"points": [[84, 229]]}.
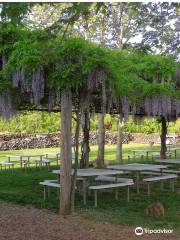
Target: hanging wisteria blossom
{"points": [[6, 106]]}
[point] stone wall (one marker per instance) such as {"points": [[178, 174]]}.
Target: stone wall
{"points": [[145, 138], [23, 141]]}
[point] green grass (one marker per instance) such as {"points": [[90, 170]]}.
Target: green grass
{"points": [[110, 151], [22, 187]]}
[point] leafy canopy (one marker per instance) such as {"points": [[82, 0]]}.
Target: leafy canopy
{"points": [[68, 62]]}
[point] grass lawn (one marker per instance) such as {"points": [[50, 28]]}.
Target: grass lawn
{"points": [[110, 151], [22, 187]]}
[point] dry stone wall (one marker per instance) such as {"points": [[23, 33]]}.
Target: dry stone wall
{"points": [[23, 141]]}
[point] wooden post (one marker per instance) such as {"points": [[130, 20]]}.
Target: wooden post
{"points": [[95, 198], [85, 149], [76, 164], [101, 141], [44, 193], [84, 191], [163, 137], [137, 182], [128, 194], [149, 189], [120, 139], [66, 147]]}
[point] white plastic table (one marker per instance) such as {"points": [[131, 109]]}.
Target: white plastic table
{"points": [[137, 168], [57, 154], [147, 151], [175, 151], [21, 156], [91, 172], [169, 161]]}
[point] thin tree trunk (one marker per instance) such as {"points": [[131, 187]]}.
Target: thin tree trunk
{"points": [[76, 150], [85, 149], [120, 139], [86, 28], [66, 147], [85, 118], [101, 141], [163, 137], [101, 130]]}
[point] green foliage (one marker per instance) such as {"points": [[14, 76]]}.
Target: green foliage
{"points": [[9, 34], [156, 65], [69, 61], [31, 122], [13, 11], [26, 54], [43, 122], [29, 51], [137, 75], [147, 126], [75, 58]]}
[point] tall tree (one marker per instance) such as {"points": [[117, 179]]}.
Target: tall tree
{"points": [[44, 15], [162, 32], [101, 130], [84, 24], [124, 24], [85, 148], [66, 148]]}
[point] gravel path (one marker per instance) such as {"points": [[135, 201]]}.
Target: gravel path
{"points": [[28, 223]]}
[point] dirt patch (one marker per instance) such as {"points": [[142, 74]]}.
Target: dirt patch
{"points": [[28, 223]]}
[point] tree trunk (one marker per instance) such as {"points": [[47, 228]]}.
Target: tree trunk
{"points": [[76, 151], [163, 137], [120, 139], [101, 141], [86, 28], [101, 130], [66, 147], [85, 149]]}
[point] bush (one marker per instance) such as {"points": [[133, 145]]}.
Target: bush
{"points": [[44, 122]]}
